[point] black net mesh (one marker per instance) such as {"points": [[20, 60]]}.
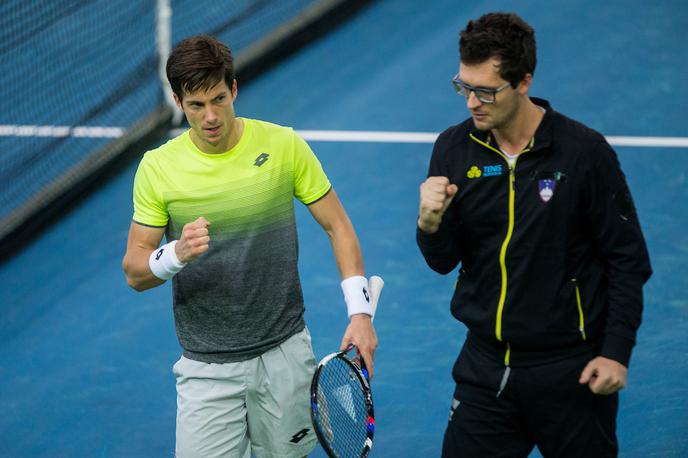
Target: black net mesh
{"points": [[78, 76]]}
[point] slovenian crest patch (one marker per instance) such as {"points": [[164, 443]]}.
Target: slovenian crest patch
{"points": [[546, 189]]}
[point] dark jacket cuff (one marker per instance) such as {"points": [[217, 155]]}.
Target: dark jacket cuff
{"points": [[435, 240], [617, 348]]}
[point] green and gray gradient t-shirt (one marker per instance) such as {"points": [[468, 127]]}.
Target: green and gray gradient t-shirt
{"points": [[243, 296]]}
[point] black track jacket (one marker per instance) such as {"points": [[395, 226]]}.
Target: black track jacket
{"points": [[552, 256]]}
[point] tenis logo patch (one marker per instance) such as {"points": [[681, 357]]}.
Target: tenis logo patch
{"points": [[487, 171], [474, 172], [492, 170], [546, 189]]}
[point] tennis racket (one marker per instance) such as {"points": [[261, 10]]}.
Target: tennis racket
{"points": [[341, 399]]}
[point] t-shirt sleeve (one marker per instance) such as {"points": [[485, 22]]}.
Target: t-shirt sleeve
{"points": [[149, 207], [310, 181]]}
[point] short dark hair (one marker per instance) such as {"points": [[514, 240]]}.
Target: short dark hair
{"points": [[199, 62], [504, 36]]}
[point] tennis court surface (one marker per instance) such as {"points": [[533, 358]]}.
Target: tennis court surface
{"points": [[86, 367]]}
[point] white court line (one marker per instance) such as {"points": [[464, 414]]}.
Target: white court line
{"points": [[668, 142], [367, 136], [61, 131], [312, 135]]}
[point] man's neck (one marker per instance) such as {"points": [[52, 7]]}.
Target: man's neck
{"points": [[514, 137], [222, 147]]}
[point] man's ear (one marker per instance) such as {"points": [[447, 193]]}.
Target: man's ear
{"points": [[525, 83], [235, 90], [178, 101]]}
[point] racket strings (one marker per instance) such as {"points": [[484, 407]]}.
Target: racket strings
{"points": [[342, 409]]}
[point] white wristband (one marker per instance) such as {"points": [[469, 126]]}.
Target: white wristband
{"points": [[357, 296], [164, 263]]}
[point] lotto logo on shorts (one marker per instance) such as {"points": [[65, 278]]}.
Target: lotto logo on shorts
{"points": [[455, 403], [296, 438]]}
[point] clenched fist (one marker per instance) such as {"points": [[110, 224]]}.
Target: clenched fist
{"points": [[194, 240], [436, 193]]}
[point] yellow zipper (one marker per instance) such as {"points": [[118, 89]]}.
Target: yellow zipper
{"points": [[507, 239], [502, 255], [581, 317]]}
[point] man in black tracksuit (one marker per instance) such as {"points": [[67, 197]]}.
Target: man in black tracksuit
{"points": [[535, 208]]}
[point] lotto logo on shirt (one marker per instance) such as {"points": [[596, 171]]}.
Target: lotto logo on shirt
{"points": [[261, 159]]}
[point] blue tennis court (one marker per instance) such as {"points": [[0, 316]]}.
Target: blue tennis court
{"points": [[86, 367]]}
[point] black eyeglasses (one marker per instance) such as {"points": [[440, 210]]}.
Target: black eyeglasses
{"points": [[484, 94]]}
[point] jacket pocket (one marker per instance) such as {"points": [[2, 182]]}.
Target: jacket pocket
{"points": [[579, 306]]}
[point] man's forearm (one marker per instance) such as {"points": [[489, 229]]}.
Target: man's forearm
{"points": [[138, 272], [347, 252]]}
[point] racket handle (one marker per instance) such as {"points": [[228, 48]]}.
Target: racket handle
{"points": [[375, 285]]}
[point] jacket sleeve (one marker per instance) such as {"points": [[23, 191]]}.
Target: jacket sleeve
{"points": [[616, 229], [441, 249]]}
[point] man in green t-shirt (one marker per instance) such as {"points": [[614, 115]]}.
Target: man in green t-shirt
{"points": [[223, 193]]}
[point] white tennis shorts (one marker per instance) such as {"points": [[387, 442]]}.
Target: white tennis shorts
{"points": [[257, 407]]}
